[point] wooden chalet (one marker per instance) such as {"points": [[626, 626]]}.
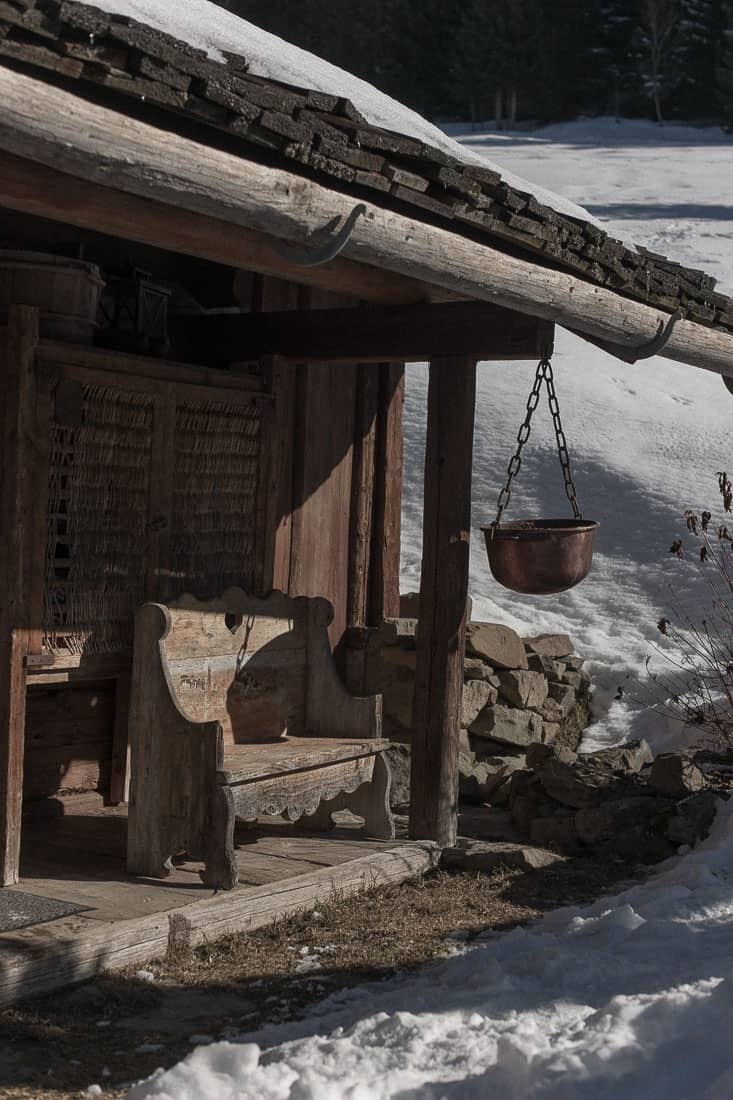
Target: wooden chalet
{"points": [[253, 445]]}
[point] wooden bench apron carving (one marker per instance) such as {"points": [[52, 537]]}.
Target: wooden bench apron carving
{"points": [[237, 710]]}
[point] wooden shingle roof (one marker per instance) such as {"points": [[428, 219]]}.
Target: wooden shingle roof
{"points": [[140, 69]]}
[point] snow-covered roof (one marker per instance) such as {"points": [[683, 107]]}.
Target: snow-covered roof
{"points": [[209, 68], [219, 32]]}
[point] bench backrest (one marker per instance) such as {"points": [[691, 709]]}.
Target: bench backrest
{"points": [[239, 661], [262, 668]]}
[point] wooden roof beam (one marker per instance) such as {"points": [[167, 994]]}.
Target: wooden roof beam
{"points": [[54, 127], [410, 333], [33, 188]]}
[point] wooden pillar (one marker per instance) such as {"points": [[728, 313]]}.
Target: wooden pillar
{"points": [[362, 492], [16, 535], [443, 592]]}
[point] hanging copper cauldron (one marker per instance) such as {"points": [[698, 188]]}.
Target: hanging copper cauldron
{"points": [[540, 556]]}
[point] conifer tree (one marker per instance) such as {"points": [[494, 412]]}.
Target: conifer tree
{"points": [[725, 67]]}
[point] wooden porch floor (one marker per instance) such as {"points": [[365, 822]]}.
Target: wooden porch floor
{"points": [[80, 858]]}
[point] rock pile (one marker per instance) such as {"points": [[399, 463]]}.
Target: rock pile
{"points": [[621, 804], [516, 692]]}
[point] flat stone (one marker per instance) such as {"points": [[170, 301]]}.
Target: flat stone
{"points": [[396, 631], [574, 679], [693, 818], [550, 732], [635, 844], [555, 831], [399, 763], [508, 725], [588, 782], [574, 663], [485, 747], [499, 645], [675, 775], [550, 645], [538, 753], [610, 820], [486, 855], [551, 711], [476, 669], [631, 756], [478, 781], [564, 696], [553, 670], [477, 694], [523, 688]]}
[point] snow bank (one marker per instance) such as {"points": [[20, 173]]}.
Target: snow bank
{"points": [[631, 997], [209, 27]]}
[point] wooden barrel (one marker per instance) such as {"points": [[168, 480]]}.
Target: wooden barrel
{"points": [[66, 292]]}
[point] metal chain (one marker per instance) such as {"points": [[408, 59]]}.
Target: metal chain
{"points": [[544, 374]]}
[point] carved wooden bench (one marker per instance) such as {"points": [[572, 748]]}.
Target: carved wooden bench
{"points": [[236, 711]]}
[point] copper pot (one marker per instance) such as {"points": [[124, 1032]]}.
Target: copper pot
{"points": [[540, 556]]}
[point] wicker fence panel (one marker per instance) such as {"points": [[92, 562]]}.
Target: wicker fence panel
{"points": [[216, 474], [99, 484]]}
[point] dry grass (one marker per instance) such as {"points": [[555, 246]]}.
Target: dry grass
{"points": [[245, 981]]}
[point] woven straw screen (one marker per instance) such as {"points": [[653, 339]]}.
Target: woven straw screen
{"points": [[99, 488], [216, 473], [99, 484]]}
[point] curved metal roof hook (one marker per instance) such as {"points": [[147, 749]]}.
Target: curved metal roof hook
{"points": [[321, 251]]}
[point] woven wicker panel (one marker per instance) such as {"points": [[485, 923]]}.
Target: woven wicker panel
{"points": [[98, 505], [216, 473]]}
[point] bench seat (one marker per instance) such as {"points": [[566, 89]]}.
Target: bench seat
{"points": [[251, 763], [237, 712]]}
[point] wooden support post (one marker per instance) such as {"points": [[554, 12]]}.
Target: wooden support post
{"points": [[362, 493], [17, 530], [443, 592]]}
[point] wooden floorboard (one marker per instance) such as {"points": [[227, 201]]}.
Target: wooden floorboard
{"points": [[127, 921]]}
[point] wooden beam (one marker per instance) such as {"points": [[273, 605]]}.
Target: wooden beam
{"points": [[443, 591], [33, 188], [17, 529], [362, 494], [54, 127], [373, 334]]}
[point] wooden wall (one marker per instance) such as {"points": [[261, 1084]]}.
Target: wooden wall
{"points": [[333, 440], [337, 476], [68, 739]]}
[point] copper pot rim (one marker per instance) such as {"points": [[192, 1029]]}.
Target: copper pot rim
{"points": [[530, 527]]}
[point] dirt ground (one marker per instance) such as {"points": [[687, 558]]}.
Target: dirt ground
{"points": [[119, 1028]]}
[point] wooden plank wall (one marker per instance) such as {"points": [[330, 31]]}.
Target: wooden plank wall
{"points": [[337, 475]]}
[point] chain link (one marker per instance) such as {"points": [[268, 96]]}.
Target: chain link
{"points": [[544, 374]]}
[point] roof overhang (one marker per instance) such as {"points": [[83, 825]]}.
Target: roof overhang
{"points": [[82, 139]]}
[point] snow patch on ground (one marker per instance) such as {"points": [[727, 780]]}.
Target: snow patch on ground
{"points": [[631, 997]]}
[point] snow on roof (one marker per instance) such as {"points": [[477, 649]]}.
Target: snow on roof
{"points": [[215, 30]]}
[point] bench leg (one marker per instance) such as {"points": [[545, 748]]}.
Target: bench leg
{"points": [[371, 801], [220, 863]]}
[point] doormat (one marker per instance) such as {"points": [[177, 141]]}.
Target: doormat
{"points": [[19, 910]]}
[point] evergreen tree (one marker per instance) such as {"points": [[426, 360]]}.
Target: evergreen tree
{"points": [[617, 68], [496, 57], [725, 67]]}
